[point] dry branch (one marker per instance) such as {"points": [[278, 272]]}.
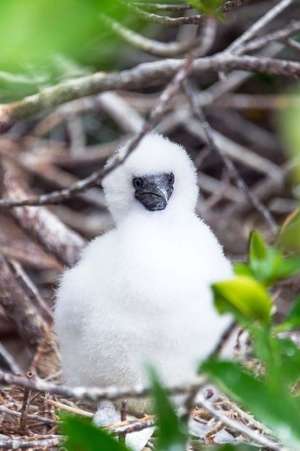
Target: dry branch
{"points": [[19, 308], [142, 75], [52, 233]]}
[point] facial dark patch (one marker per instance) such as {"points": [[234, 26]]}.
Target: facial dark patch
{"points": [[154, 191]]}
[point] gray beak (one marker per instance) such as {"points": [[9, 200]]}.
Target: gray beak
{"points": [[154, 191]]}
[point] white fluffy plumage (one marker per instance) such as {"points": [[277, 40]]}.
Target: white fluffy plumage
{"points": [[141, 293]]}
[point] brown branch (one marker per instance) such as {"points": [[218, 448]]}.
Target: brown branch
{"points": [[95, 178], [26, 443], [112, 393], [145, 74], [198, 113], [48, 229], [19, 308], [277, 35], [151, 46]]}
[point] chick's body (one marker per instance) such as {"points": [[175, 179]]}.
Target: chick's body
{"points": [[141, 293]]}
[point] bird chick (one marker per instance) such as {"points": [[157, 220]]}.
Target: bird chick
{"points": [[141, 292]]}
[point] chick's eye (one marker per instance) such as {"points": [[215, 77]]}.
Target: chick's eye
{"points": [[137, 182], [171, 178]]}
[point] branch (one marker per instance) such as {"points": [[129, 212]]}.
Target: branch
{"points": [[111, 393], [47, 228], [233, 172], [147, 45], [96, 177], [279, 35], [19, 308], [145, 74], [238, 426], [237, 46]]}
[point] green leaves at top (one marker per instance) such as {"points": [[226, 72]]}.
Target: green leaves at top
{"points": [[209, 7], [81, 434], [266, 263], [247, 299], [172, 435]]}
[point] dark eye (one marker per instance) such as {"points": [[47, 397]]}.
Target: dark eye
{"points": [[171, 178], [137, 182]]}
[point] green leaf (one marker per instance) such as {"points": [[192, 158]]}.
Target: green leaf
{"points": [[267, 263], [273, 406], [292, 320], [289, 235], [257, 247], [242, 269], [82, 435], [172, 434], [209, 7], [243, 296]]}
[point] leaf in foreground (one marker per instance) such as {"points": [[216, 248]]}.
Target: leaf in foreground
{"points": [[273, 407], [81, 434], [171, 434], [243, 296]]}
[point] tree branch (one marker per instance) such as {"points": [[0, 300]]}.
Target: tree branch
{"points": [[145, 74]]}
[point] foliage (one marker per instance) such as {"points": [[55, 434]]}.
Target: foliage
{"points": [[267, 395], [209, 7]]}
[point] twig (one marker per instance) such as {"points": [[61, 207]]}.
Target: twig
{"points": [[19, 309], [237, 46], [52, 233], [164, 20], [145, 74], [223, 340], [9, 361], [238, 426], [97, 176], [33, 292], [25, 405], [277, 35], [198, 113], [150, 46], [25, 443], [112, 393], [14, 413]]}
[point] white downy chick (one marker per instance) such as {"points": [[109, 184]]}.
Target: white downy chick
{"points": [[141, 293]]}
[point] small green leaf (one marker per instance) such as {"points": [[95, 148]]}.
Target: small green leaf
{"points": [[267, 263], [292, 320], [82, 435], [273, 406], [172, 435], [243, 296], [242, 269], [257, 247], [289, 235], [209, 7]]}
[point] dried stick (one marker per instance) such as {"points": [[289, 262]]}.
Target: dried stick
{"points": [[198, 113], [14, 413], [147, 45], [237, 426], [32, 291], [25, 443], [96, 177], [145, 74], [237, 46], [19, 308], [112, 393], [9, 360], [52, 233], [277, 35]]}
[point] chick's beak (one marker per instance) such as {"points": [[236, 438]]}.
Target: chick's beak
{"points": [[155, 191]]}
